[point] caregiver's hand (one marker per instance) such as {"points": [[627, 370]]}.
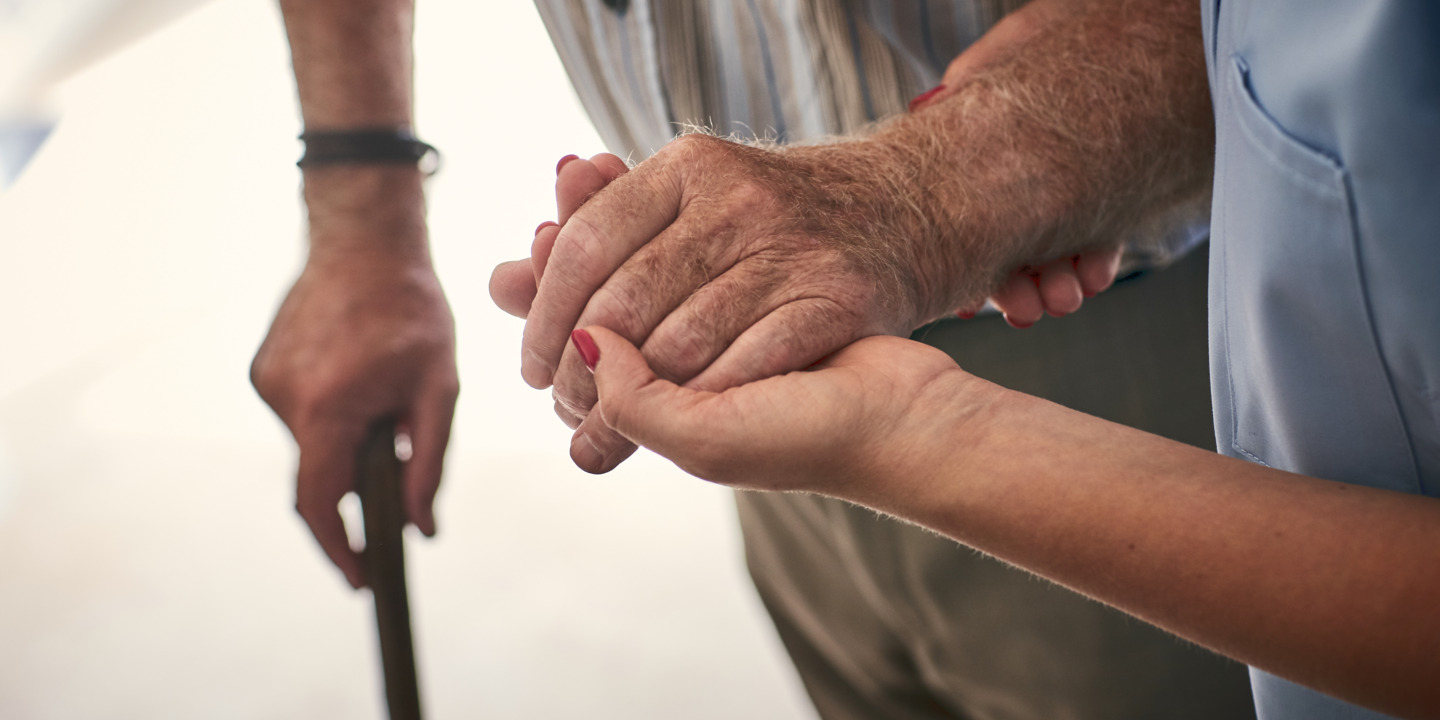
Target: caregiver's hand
{"points": [[849, 427], [1056, 288]]}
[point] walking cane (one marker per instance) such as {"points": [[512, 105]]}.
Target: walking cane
{"points": [[378, 485]]}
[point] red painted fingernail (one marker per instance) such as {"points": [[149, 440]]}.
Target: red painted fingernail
{"points": [[546, 224], [924, 97], [1016, 325], [586, 345], [564, 160], [964, 314]]}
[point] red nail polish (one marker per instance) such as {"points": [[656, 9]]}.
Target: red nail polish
{"points": [[546, 224], [924, 97], [964, 314], [589, 352], [564, 160]]}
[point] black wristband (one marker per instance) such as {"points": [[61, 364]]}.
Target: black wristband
{"points": [[368, 146]]}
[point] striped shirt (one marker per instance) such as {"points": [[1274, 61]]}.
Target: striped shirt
{"points": [[784, 70]]}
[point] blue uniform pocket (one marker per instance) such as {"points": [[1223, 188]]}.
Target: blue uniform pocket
{"points": [[1299, 383]]}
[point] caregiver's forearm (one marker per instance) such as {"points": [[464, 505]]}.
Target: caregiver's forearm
{"points": [[1335, 586]]}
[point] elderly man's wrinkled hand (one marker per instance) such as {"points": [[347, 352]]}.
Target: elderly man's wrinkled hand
{"points": [[360, 338], [726, 263]]}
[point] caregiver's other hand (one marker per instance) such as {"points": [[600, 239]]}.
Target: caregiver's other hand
{"points": [[845, 427], [1056, 288]]}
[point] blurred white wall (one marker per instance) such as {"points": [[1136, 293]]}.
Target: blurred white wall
{"points": [[150, 565]]}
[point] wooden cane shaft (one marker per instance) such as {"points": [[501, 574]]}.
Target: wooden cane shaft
{"points": [[378, 484]]}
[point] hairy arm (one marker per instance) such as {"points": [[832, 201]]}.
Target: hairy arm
{"points": [[365, 334], [1071, 125]]}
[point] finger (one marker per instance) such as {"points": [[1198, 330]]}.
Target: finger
{"points": [[575, 183], [643, 292], [429, 421], [326, 474], [1019, 299], [594, 242], [570, 419], [1060, 288], [1097, 269], [714, 318], [610, 166], [542, 246], [597, 449], [512, 287], [793, 337], [764, 336], [638, 404]]}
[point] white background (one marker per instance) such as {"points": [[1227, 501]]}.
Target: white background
{"points": [[150, 563]]}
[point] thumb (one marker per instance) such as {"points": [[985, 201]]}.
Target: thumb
{"points": [[633, 401]]}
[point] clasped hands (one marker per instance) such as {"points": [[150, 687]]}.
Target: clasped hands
{"points": [[725, 265]]}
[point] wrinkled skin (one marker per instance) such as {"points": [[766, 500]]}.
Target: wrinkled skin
{"points": [[357, 341], [1056, 288]]}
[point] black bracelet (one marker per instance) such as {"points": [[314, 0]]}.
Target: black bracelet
{"points": [[368, 146]]}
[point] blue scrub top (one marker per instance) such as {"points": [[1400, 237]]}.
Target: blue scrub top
{"points": [[1325, 259]]}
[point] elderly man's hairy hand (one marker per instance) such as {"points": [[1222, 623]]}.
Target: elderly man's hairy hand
{"points": [[361, 337], [726, 264]]}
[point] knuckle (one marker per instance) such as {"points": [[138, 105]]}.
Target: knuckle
{"points": [[450, 389], [615, 415], [577, 251], [748, 197], [567, 417], [306, 509], [695, 145], [573, 394], [607, 439], [678, 356], [263, 376], [619, 306]]}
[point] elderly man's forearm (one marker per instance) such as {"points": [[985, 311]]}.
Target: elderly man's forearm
{"points": [[353, 69], [1096, 129]]}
